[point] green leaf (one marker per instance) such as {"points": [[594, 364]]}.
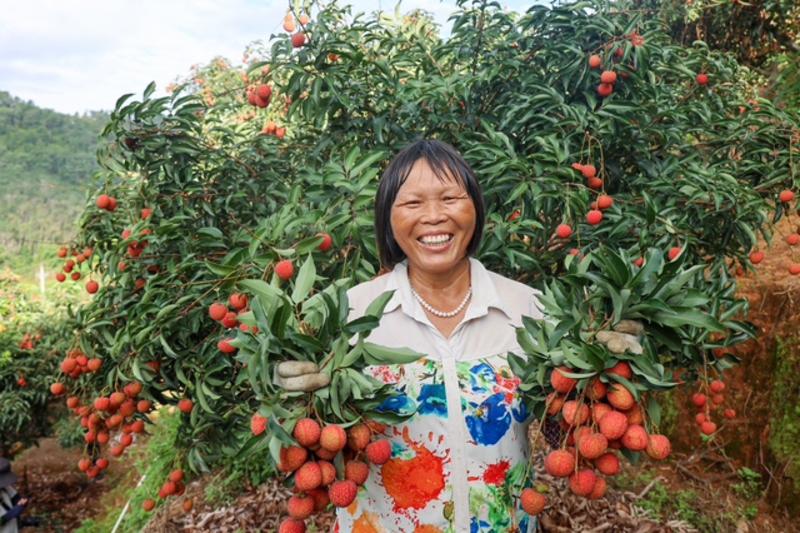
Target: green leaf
{"points": [[381, 355], [305, 280]]}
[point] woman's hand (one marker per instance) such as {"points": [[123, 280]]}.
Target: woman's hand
{"points": [[301, 376], [624, 337]]}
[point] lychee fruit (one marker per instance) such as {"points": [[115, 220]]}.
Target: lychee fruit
{"points": [[598, 410], [292, 458], [699, 399], [559, 463], [730, 414], [635, 438], [185, 405], [756, 257], [595, 61], [599, 489], [298, 39], [563, 231], [582, 482], [308, 476], [674, 252], [237, 301], [379, 452], [613, 425], [321, 499], [620, 397], [328, 472], [658, 447], [327, 242], [560, 382], [92, 286], [593, 445], [258, 424], [292, 525], [307, 432], [605, 89], [342, 493], [594, 217], [608, 77], [225, 346], [356, 471], [575, 413], [284, 269], [148, 505], [57, 389], [786, 196], [333, 437], [358, 437], [702, 79], [217, 311], [708, 427], [103, 201], [300, 507], [608, 464], [621, 369], [718, 386], [596, 390], [533, 502]]}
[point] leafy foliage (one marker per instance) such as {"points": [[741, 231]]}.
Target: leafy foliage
{"points": [[46, 161], [688, 165]]}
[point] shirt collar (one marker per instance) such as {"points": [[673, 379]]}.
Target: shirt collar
{"points": [[484, 293]]}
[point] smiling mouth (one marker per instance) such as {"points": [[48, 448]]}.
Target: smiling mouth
{"points": [[438, 241]]}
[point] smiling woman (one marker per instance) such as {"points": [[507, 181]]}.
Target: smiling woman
{"points": [[461, 461]]}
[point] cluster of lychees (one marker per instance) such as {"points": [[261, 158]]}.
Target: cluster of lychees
{"points": [[311, 466], [603, 201], [707, 399], [105, 417], [72, 267], [597, 422], [173, 486], [229, 318]]}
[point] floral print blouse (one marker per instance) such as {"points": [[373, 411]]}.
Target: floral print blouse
{"points": [[459, 463]]}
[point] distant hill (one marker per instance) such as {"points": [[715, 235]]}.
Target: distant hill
{"points": [[46, 161]]}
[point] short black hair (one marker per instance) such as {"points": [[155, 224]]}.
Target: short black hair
{"points": [[446, 162]]}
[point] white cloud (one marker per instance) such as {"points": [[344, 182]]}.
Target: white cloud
{"points": [[74, 56]]}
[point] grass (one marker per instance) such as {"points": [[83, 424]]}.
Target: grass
{"points": [[664, 503]]}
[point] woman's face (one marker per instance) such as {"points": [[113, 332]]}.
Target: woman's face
{"points": [[428, 211]]}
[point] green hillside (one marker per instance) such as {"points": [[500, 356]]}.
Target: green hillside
{"points": [[46, 160]]}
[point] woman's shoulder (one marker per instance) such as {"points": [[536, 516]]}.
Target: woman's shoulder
{"points": [[521, 299], [361, 295]]}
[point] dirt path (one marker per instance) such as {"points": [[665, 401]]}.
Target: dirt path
{"points": [[60, 495]]}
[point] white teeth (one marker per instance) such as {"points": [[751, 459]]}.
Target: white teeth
{"points": [[436, 239]]}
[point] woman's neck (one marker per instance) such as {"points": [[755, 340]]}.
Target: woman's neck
{"points": [[442, 290]]}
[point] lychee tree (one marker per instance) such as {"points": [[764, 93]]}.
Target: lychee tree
{"points": [[222, 181]]}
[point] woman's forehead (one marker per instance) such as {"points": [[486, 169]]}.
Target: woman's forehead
{"points": [[423, 177]]}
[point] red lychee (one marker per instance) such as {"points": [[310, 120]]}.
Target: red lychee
{"points": [[599, 489], [292, 525], [379, 452], [702, 79], [358, 437], [593, 445], [608, 464], [598, 410], [582, 482], [292, 458], [298, 39], [284, 269], [328, 472], [185, 405], [620, 397], [308, 476], [605, 89], [533, 502], [342, 493], [609, 77], [560, 382], [613, 425], [327, 242], [563, 231], [356, 471], [756, 257], [786, 196], [575, 413], [730, 414], [699, 399], [595, 61], [92, 286], [217, 311], [658, 447], [708, 427], [148, 505], [333, 437], [559, 463], [635, 438], [594, 217], [103, 201], [307, 432], [300, 507], [237, 301]]}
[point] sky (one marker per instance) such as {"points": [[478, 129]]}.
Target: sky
{"points": [[79, 55]]}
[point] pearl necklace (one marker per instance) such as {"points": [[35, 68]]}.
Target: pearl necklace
{"points": [[438, 313]]}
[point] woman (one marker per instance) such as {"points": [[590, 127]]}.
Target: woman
{"points": [[11, 505], [460, 462]]}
